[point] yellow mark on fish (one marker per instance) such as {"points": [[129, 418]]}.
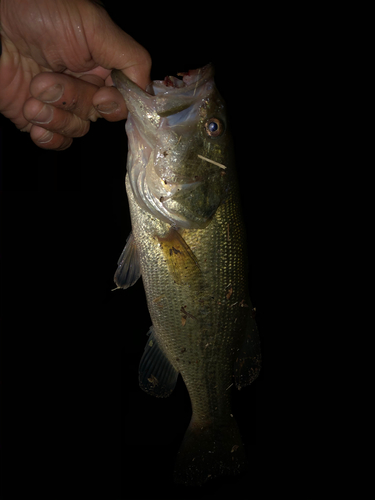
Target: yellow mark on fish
{"points": [[180, 259], [158, 299], [212, 161], [186, 314], [153, 380]]}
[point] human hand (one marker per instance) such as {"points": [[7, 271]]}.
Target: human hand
{"points": [[55, 67]]}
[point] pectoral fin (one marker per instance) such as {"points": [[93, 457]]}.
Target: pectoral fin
{"points": [[248, 362], [157, 376], [128, 265]]}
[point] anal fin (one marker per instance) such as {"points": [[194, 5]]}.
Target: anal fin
{"points": [[157, 376], [128, 266]]}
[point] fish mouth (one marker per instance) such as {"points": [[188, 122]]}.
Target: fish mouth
{"points": [[162, 165], [163, 97]]}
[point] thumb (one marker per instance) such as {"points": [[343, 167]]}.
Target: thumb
{"points": [[111, 47]]}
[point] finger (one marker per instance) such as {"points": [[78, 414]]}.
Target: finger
{"points": [[48, 140], [54, 119], [67, 92], [110, 104]]}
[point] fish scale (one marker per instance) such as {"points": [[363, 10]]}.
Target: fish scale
{"points": [[192, 348]]}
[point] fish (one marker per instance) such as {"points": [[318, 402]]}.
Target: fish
{"points": [[188, 243]]}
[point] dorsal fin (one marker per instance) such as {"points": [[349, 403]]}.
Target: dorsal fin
{"points": [[128, 265]]}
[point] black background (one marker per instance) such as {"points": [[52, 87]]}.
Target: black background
{"points": [[73, 415]]}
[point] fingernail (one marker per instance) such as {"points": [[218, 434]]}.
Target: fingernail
{"points": [[44, 116], [107, 108], [52, 94], [47, 137]]}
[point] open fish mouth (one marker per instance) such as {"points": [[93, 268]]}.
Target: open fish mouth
{"points": [[187, 86], [168, 158], [166, 97]]}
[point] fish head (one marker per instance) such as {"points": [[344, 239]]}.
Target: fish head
{"points": [[180, 163]]}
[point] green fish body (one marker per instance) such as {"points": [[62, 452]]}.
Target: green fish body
{"points": [[188, 243]]}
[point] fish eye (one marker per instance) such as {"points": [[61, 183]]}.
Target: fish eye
{"points": [[214, 127]]}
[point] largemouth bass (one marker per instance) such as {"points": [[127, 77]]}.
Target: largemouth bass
{"points": [[188, 243]]}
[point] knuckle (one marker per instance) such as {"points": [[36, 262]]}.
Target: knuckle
{"points": [[31, 108], [71, 125], [57, 143], [81, 128], [64, 144]]}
